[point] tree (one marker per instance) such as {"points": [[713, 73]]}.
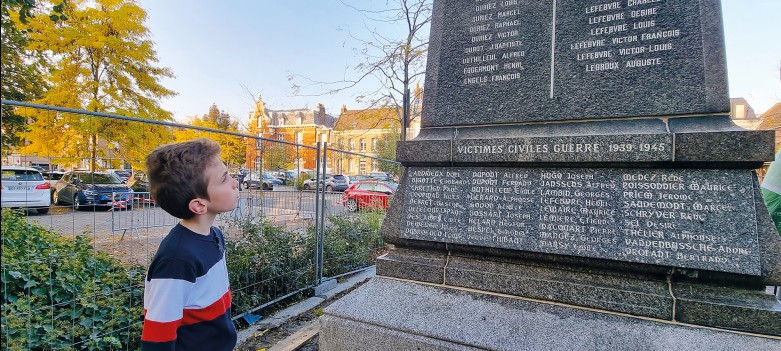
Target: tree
{"points": [[395, 63], [386, 148], [100, 59], [233, 147], [20, 79]]}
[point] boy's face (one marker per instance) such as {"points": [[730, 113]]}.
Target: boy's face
{"points": [[222, 188]]}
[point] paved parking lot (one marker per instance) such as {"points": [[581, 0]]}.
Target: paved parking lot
{"points": [[133, 235]]}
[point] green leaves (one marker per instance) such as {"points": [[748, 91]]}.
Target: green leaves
{"points": [[58, 291]]}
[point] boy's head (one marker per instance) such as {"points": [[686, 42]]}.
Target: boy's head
{"points": [[180, 176]]}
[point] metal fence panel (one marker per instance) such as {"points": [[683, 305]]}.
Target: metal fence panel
{"points": [[276, 247]]}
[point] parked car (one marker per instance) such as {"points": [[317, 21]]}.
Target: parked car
{"points": [[274, 181], [257, 181], [309, 184], [385, 177], [372, 194], [139, 183], [84, 189], [333, 182], [122, 174], [357, 178], [286, 177], [24, 187], [52, 177]]}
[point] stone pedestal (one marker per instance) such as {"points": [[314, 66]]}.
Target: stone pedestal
{"points": [[390, 314]]}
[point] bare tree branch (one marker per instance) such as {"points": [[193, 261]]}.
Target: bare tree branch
{"points": [[392, 65]]}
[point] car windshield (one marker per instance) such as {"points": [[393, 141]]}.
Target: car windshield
{"points": [[99, 178], [267, 176], [339, 177], [392, 186], [122, 173]]}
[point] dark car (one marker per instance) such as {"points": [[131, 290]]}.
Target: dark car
{"points": [[372, 194], [84, 189]]}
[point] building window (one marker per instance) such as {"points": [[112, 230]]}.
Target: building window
{"points": [[740, 112], [300, 120], [362, 167], [374, 144], [363, 145], [350, 145], [299, 137], [374, 166], [340, 144], [280, 137]]}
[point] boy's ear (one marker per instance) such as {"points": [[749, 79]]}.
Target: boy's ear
{"points": [[198, 206]]}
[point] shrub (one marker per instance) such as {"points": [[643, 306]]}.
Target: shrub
{"points": [[59, 293], [300, 180], [351, 242], [265, 261]]}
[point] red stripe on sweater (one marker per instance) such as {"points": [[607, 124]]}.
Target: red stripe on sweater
{"points": [[218, 308], [166, 331], [159, 331]]}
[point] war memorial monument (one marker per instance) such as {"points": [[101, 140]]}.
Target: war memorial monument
{"points": [[577, 184]]}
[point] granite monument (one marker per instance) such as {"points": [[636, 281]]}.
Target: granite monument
{"points": [[576, 185]]}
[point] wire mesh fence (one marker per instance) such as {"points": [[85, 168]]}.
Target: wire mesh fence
{"points": [[73, 271]]}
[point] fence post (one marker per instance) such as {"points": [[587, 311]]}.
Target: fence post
{"points": [[321, 215], [318, 266], [322, 286]]}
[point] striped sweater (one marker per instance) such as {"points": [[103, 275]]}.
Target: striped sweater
{"points": [[187, 299]]}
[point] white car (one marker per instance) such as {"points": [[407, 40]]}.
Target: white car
{"points": [[25, 187]]}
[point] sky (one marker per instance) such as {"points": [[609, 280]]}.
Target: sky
{"points": [[226, 52]]}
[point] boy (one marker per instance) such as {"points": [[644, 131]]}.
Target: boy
{"points": [[187, 299]]}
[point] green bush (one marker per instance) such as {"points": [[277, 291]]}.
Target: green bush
{"points": [[265, 262], [351, 242], [61, 294], [300, 180]]}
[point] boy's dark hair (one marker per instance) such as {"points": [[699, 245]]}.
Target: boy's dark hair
{"points": [[176, 174]]}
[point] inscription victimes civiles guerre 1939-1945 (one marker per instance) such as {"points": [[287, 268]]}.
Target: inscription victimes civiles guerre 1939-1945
{"points": [[665, 217]]}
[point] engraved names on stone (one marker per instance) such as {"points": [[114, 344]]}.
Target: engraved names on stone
{"points": [[626, 34], [495, 52], [616, 35], [681, 218], [506, 61]]}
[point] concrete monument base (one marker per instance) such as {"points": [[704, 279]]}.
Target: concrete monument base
{"points": [[391, 314]]}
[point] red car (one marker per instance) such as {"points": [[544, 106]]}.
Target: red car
{"points": [[372, 194]]}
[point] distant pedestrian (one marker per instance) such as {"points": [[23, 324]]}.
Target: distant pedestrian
{"points": [[187, 298]]}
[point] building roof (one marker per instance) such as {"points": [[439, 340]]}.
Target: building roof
{"points": [[771, 119], [295, 117], [376, 118]]}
